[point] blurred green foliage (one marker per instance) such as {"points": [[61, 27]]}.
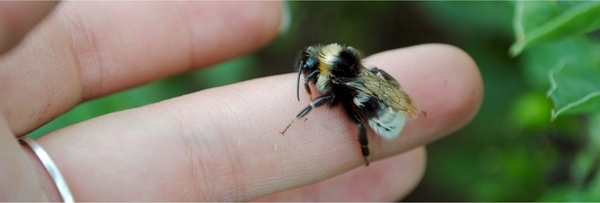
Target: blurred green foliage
{"points": [[558, 33], [512, 151], [563, 52]]}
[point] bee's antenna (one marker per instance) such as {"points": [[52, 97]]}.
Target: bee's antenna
{"points": [[298, 81]]}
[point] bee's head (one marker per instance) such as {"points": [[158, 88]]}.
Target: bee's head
{"points": [[331, 60], [307, 63], [309, 60]]}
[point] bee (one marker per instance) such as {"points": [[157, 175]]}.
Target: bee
{"points": [[370, 97]]}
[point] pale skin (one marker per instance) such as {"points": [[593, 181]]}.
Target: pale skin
{"points": [[220, 144]]}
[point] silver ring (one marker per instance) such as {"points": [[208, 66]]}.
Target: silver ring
{"points": [[57, 177]]}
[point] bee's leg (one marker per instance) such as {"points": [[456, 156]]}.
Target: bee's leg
{"points": [[320, 101], [362, 132], [386, 76], [364, 142], [312, 76]]}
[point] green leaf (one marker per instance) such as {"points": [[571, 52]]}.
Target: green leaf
{"points": [[540, 60], [569, 67], [575, 88], [541, 21]]}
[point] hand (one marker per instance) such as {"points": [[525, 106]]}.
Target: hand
{"points": [[217, 144]]}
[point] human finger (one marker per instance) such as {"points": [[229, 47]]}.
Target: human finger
{"points": [[224, 143]]}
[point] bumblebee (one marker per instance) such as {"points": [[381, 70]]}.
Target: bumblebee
{"points": [[370, 97]]}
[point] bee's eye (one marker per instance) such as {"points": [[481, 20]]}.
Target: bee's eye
{"points": [[310, 63]]}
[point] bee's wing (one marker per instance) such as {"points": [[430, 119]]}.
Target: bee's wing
{"points": [[385, 90]]}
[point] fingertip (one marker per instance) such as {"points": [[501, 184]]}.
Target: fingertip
{"points": [[443, 80], [468, 94]]}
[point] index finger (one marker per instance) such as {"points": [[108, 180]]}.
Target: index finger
{"points": [[224, 143]]}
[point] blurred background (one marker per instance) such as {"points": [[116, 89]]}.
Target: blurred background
{"points": [[510, 152]]}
